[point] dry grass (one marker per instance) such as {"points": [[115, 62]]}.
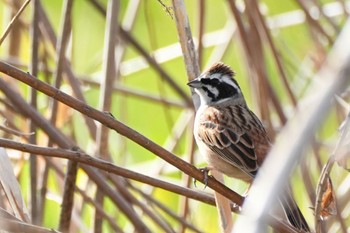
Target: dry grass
{"points": [[93, 180]]}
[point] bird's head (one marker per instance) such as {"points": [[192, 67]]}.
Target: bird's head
{"points": [[217, 86]]}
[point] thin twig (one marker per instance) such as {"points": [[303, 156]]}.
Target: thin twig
{"points": [[81, 157], [68, 196], [10, 225], [112, 123], [14, 132], [85, 159], [47, 29], [128, 38], [201, 19], [61, 47], [186, 40], [86, 198], [72, 168], [325, 174], [145, 96], [167, 9], [185, 209], [267, 34], [147, 210], [335, 77], [64, 142], [13, 21], [109, 73], [33, 101], [165, 209], [314, 23]]}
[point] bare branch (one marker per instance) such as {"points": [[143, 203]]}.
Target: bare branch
{"points": [[335, 77], [12, 23]]}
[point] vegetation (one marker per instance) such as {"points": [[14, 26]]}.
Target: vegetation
{"points": [[97, 117]]}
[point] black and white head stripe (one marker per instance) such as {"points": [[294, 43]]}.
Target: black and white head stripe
{"points": [[219, 83], [220, 70], [211, 91]]}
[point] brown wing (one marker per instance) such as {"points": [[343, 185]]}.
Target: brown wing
{"points": [[235, 139]]}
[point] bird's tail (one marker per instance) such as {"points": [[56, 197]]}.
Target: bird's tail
{"points": [[293, 213]]}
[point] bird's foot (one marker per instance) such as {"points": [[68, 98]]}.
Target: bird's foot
{"points": [[205, 171]]}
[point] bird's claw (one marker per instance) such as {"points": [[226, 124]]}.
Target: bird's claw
{"points": [[205, 171]]}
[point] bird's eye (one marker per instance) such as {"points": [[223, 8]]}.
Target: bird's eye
{"points": [[215, 81]]}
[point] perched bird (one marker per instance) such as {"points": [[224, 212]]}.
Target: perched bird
{"points": [[230, 136]]}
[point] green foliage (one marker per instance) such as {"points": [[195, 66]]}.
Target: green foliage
{"points": [[154, 29]]}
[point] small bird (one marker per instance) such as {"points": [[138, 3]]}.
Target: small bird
{"points": [[230, 136]]}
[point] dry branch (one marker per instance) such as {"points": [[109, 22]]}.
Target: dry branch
{"points": [[256, 35], [18, 226], [128, 38], [33, 101], [325, 175], [64, 142], [81, 157], [85, 159], [335, 78], [13, 21], [105, 98], [122, 129]]}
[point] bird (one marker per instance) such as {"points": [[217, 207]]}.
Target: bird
{"points": [[230, 136]]}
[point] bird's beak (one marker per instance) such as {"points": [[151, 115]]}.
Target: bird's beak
{"points": [[195, 83]]}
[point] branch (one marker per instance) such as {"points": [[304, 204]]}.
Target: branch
{"points": [[81, 157], [332, 79], [187, 44], [12, 23], [85, 159], [325, 174], [119, 127]]}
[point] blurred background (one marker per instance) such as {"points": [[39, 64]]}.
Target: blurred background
{"points": [[128, 62]]}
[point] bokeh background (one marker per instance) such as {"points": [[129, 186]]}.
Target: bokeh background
{"points": [[129, 63]]}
